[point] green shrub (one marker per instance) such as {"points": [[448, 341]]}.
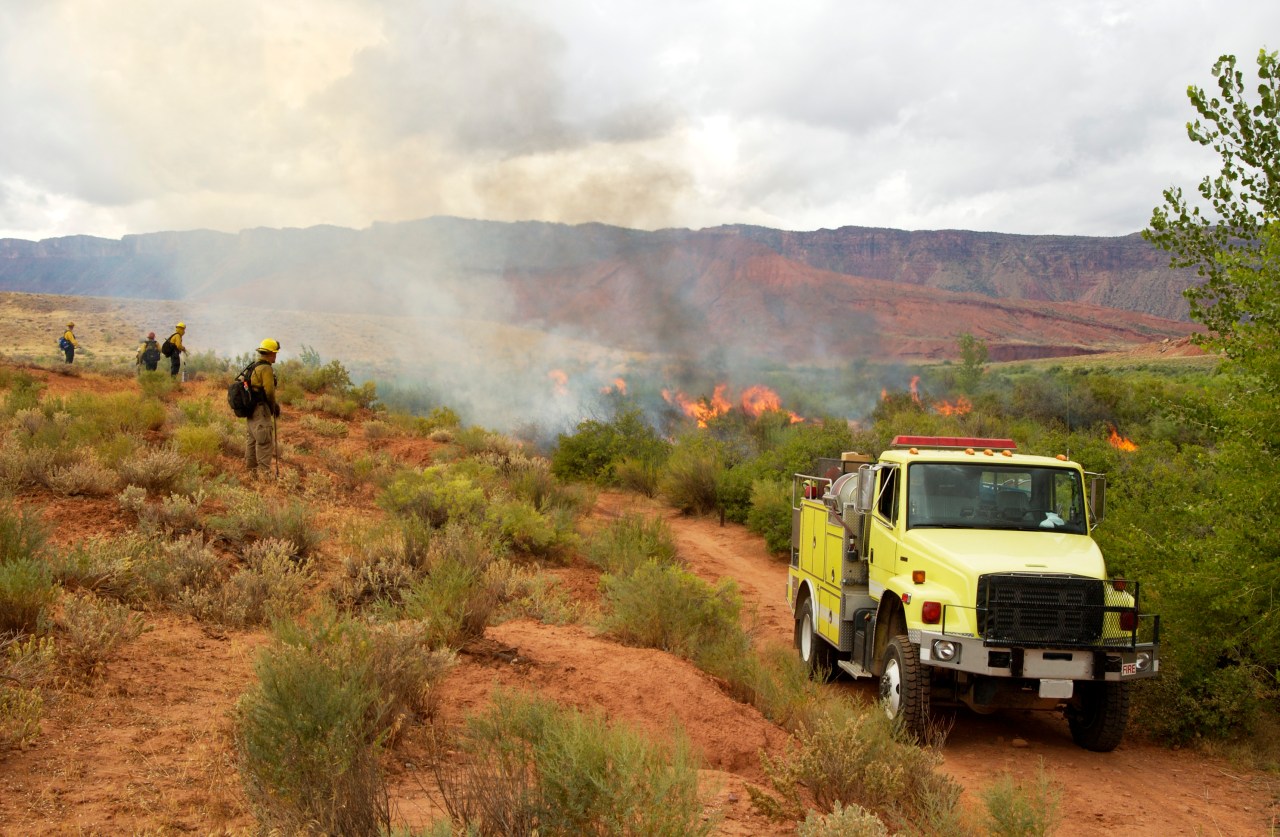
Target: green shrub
{"points": [[855, 757], [520, 526], [206, 363], [691, 475], [205, 412], [842, 821], [453, 602], [528, 766], [20, 711], [770, 515], [84, 477], [365, 395], [26, 592], [663, 606], [592, 452], [21, 536], [251, 517], [158, 384], [375, 429], [1026, 808], [315, 377], [530, 592], [159, 470], [96, 417], [638, 475], [25, 665], [24, 467], [434, 495], [23, 393], [95, 630], [324, 427], [201, 442], [271, 586], [334, 405], [306, 735], [407, 671], [29, 662], [629, 541], [382, 566]]}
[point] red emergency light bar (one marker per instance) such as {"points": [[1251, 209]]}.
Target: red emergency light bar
{"points": [[956, 442]]}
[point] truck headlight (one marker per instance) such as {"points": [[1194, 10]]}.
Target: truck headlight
{"points": [[946, 651]]}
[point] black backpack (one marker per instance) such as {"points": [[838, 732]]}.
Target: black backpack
{"points": [[150, 353], [167, 348], [240, 396]]}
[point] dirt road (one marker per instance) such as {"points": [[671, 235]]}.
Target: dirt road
{"points": [[1140, 788]]}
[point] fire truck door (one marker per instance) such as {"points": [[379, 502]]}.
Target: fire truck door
{"points": [[882, 535]]}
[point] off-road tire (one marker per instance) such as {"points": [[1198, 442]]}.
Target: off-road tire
{"points": [[1099, 714], [815, 653], [904, 687]]}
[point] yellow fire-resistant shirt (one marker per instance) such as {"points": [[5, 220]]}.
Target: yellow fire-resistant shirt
{"points": [[263, 379]]}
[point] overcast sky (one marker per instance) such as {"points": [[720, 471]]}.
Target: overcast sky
{"points": [[134, 116]]}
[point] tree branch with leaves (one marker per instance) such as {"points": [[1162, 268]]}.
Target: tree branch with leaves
{"points": [[1221, 235]]}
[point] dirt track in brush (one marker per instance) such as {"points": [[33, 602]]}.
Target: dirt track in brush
{"points": [[145, 747]]}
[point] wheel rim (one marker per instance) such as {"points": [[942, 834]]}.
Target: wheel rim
{"points": [[806, 637], [891, 688]]}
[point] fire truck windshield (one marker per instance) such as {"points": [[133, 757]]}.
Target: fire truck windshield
{"points": [[989, 496]]}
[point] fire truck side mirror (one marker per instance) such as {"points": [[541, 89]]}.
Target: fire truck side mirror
{"points": [[1097, 498], [865, 499]]}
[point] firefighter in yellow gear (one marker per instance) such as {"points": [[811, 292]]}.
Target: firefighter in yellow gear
{"points": [[175, 359], [68, 343], [260, 439]]}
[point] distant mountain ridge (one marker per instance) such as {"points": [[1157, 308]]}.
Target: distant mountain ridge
{"points": [[799, 296]]}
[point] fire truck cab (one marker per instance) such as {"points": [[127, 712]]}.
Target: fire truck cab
{"points": [[959, 571]]}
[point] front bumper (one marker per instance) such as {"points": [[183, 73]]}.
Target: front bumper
{"points": [[973, 655]]}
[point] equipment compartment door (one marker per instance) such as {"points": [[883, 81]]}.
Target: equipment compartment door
{"points": [[829, 590]]}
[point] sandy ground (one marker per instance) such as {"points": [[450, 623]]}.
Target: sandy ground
{"points": [[145, 748]]}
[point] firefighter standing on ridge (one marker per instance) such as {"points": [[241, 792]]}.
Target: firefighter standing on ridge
{"points": [[68, 343], [175, 356], [260, 441], [149, 353]]}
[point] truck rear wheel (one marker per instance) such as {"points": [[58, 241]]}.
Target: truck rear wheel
{"points": [[814, 651], [904, 686], [1099, 715]]}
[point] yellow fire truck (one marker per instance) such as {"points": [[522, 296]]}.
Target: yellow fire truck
{"points": [[959, 571]]}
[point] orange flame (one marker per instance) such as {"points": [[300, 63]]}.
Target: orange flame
{"points": [[703, 409], [560, 381], [915, 392], [1120, 442], [962, 407], [618, 386], [759, 399]]}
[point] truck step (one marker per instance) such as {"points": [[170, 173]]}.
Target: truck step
{"points": [[853, 669]]}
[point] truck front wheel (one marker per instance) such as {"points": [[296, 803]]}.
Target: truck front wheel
{"points": [[1099, 714], [812, 648], [904, 686]]}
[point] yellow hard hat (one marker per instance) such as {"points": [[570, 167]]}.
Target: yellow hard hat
{"points": [[268, 345], [71, 325], [181, 326]]}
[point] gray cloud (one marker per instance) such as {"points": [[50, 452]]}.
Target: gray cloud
{"points": [[145, 115]]}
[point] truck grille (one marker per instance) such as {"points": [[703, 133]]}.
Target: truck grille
{"points": [[1029, 609]]}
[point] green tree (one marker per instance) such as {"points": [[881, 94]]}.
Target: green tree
{"points": [[973, 359], [1241, 200]]}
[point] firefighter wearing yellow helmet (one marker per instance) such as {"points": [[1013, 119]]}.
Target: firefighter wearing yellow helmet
{"points": [[68, 343], [260, 439], [174, 350]]}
